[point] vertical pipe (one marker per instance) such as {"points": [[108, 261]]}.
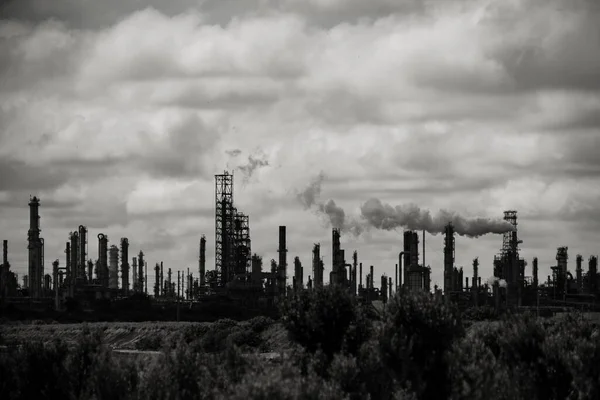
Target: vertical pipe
{"points": [[162, 280], [424, 265], [360, 285]]}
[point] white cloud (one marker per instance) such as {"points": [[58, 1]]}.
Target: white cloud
{"points": [[119, 119]]}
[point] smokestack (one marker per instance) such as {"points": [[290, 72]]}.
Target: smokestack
{"points": [[162, 280], [282, 273], [335, 256], [202, 260], [125, 265], [36, 250], [298, 273], [317, 266], [424, 265], [55, 284], [360, 284], [354, 267], [535, 272], [157, 280], [448, 258], [371, 277], [82, 252], [102, 260], [136, 288], [113, 272], [146, 277], [140, 274], [579, 271]]}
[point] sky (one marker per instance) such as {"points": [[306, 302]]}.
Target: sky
{"points": [[118, 114]]}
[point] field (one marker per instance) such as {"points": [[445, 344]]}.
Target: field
{"points": [[256, 335]]}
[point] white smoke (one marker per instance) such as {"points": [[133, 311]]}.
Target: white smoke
{"points": [[252, 165], [309, 196], [376, 214], [410, 216], [335, 214]]}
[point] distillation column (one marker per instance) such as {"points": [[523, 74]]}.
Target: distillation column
{"points": [[113, 272]]}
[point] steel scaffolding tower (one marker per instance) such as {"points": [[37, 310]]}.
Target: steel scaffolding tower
{"points": [[224, 219]]}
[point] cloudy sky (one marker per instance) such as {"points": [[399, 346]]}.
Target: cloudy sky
{"points": [[118, 113]]}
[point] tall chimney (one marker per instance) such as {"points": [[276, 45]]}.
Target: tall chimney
{"points": [[317, 266], [202, 261], [535, 272], [125, 265], [36, 250], [82, 252], [282, 273], [157, 280], [448, 259], [579, 271], [134, 276], [424, 265], [360, 275], [335, 256], [102, 260], [113, 271], [354, 270], [140, 274], [162, 281]]}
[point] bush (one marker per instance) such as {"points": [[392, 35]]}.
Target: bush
{"points": [[417, 333], [329, 319]]}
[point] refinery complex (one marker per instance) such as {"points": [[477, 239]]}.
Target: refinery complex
{"points": [[239, 275]]}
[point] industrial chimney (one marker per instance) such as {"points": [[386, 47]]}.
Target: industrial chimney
{"points": [[317, 266], [202, 261], [282, 272], [36, 250], [113, 272], [125, 265], [82, 252]]}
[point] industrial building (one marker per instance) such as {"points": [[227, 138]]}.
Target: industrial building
{"points": [[238, 274]]}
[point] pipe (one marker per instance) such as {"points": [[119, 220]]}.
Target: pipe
{"points": [[424, 249], [400, 270]]}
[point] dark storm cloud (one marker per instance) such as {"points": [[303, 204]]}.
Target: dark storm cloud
{"points": [[19, 175]]}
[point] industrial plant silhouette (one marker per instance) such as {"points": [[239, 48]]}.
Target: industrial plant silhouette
{"points": [[239, 275]]}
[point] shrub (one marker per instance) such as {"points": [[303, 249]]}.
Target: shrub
{"points": [[329, 319], [416, 334]]}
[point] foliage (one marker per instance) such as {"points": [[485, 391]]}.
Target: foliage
{"points": [[328, 319], [418, 350]]}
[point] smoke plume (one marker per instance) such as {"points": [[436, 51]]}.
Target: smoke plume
{"points": [[335, 214], [252, 165], [310, 195], [410, 216]]}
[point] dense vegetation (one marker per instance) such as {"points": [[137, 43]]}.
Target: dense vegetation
{"points": [[417, 349]]}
